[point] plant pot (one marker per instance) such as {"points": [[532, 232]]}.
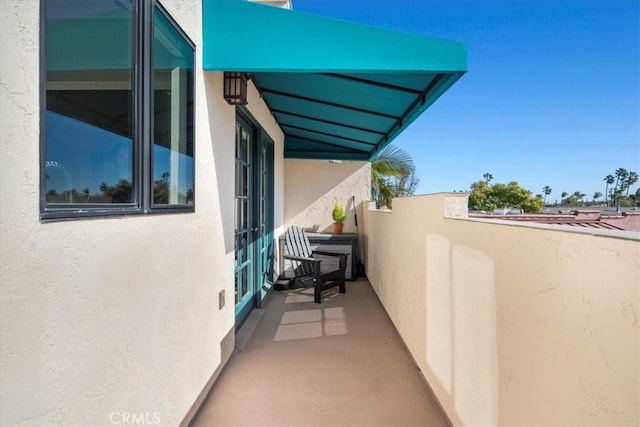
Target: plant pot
{"points": [[337, 228]]}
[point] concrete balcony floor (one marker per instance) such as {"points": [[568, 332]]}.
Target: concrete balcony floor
{"points": [[338, 363]]}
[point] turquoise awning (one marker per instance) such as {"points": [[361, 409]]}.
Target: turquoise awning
{"points": [[338, 90]]}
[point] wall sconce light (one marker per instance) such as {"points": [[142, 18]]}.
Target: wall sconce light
{"points": [[235, 88]]}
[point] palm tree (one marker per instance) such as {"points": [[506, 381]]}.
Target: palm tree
{"points": [[621, 176], [609, 179], [487, 177], [615, 197], [406, 185], [546, 190], [596, 195], [636, 197], [392, 162], [632, 178], [579, 196]]}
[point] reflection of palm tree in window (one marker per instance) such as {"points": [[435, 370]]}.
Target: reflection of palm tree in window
{"points": [[161, 189]]}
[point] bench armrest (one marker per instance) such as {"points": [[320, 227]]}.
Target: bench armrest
{"points": [[314, 261], [301, 258], [329, 253]]}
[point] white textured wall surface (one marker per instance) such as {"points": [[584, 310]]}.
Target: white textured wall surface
{"points": [[511, 324], [313, 186], [112, 315]]}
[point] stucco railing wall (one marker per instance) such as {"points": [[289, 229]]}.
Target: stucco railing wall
{"points": [[511, 324]]}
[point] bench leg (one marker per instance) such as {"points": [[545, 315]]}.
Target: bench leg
{"points": [[343, 287], [318, 292]]}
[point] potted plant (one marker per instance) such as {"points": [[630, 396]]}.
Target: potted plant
{"points": [[338, 216]]}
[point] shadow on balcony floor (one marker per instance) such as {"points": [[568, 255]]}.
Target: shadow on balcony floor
{"points": [[336, 363]]}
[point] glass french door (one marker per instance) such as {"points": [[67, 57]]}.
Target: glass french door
{"points": [[253, 217], [244, 268], [264, 244]]}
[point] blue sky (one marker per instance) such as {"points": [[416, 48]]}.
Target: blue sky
{"points": [[551, 96]]}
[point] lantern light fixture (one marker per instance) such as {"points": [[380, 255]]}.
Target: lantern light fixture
{"points": [[235, 87]]}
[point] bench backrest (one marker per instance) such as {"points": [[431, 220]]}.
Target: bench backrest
{"points": [[297, 244]]}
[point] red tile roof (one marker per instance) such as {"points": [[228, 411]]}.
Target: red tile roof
{"points": [[627, 221]]}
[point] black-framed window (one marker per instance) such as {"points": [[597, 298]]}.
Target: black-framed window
{"points": [[118, 110]]}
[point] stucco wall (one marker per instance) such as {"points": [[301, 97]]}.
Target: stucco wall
{"points": [[511, 324], [313, 186], [112, 315]]}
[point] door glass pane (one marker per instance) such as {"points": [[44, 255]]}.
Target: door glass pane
{"points": [[236, 290], [88, 120], [245, 146], [236, 246], [237, 179], [245, 283], [244, 249], [173, 163], [237, 217], [240, 215], [245, 181], [245, 213]]}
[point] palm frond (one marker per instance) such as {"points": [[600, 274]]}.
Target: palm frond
{"points": [[387, 169], [393, 161]]}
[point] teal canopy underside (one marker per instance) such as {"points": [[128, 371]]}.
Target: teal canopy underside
{"points": [[338, 90]]}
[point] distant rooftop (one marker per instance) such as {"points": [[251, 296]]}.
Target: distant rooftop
{"points": [[607, 220]]}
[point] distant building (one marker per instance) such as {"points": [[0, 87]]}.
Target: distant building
{"points": [[624, 221]]}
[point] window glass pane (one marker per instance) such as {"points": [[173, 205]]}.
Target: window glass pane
{"points": [[88, 119], [173, 162]]}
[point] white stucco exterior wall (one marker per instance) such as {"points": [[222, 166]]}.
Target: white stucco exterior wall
{"points": [[313, 186], [112, 315], [510, 323]]}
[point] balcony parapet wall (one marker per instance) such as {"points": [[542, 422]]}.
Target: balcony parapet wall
{"points": [[511, 323]]}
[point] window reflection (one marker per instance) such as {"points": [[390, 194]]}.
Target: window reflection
{"points": [[173, 115], [88, 122]]}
